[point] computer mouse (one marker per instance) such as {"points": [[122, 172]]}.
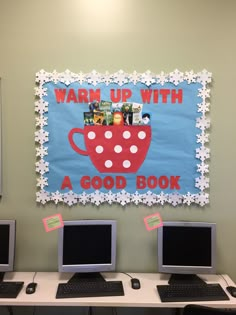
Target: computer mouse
{"points": [[31, 287], [135, 283], [231, 290]]}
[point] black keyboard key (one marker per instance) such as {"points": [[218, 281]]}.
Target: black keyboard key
{"points": [[89, 289], [10, 289], [191, 292]]}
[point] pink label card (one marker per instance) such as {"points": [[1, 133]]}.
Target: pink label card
{"points": [[153, 221], [53, 222]]}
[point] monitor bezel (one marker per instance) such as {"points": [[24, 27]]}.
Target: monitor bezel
{"points": [[87, 268], [12, 237], [173, 269]]}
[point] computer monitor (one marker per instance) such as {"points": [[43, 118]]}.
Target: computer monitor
{"points": [[87, 247], [186, 249], [7, 246]]}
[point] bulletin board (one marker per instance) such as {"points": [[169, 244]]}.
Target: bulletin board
{"points": [[124, 138]]}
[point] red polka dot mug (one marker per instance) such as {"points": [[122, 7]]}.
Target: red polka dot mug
{"points": [[114, 149]]}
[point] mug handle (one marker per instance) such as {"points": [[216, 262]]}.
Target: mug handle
{"points": [[72, 143]]}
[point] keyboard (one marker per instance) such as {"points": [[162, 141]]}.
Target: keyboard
{"points": [[191, 292], [10, 289], [89, 289]]}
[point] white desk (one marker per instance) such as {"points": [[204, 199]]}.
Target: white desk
{"points": [[147, 296]]}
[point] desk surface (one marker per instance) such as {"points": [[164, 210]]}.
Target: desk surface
{"points": [[147, 296]]}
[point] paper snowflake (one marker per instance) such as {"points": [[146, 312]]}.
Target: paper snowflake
{"points": [[204, 93], [55, 77], [202, 153], [136, 198], [204, 77], [57, 197], [203, 138], [41, 151], [203, 108], [70, 198], [202, 182], [120, 78], [203, 168], [190, 77], [42, 167], [162, 198], [40, 91], [83, 198], [134, 77], [41, 136], [149, 199], [176, 77], [123, 197], [94, 78], [42, 181], [147, 78], [162, 78], [67, 77], [42, 196], [188, 199], [42, 76], [41, 106], [110, 197], [107, 78], [202, 199], [97, 197], [203, 123], [175, 199], [41, 121]]}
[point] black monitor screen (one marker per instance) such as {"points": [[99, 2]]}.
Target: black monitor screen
{"points": [[87, 244], [4, 244], [188, 246]]}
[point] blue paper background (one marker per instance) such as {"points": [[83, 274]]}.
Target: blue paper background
{"points": [[172, 148]]}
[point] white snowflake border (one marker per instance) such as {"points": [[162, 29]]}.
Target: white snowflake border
{"points": [[97, 198]]}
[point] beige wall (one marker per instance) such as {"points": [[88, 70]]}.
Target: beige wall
{"points": [[159, 35]]}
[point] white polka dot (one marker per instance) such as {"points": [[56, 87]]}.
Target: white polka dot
{"points": [[126, 164], [91, 135], [133, 149], [142, 135], [126, 134], [108, 163], [108, 134], [99, 149], [118, 148]]}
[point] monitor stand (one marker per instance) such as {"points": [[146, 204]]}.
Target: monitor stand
{"points": [[87, 276], [185, 279], [2, 276]]}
